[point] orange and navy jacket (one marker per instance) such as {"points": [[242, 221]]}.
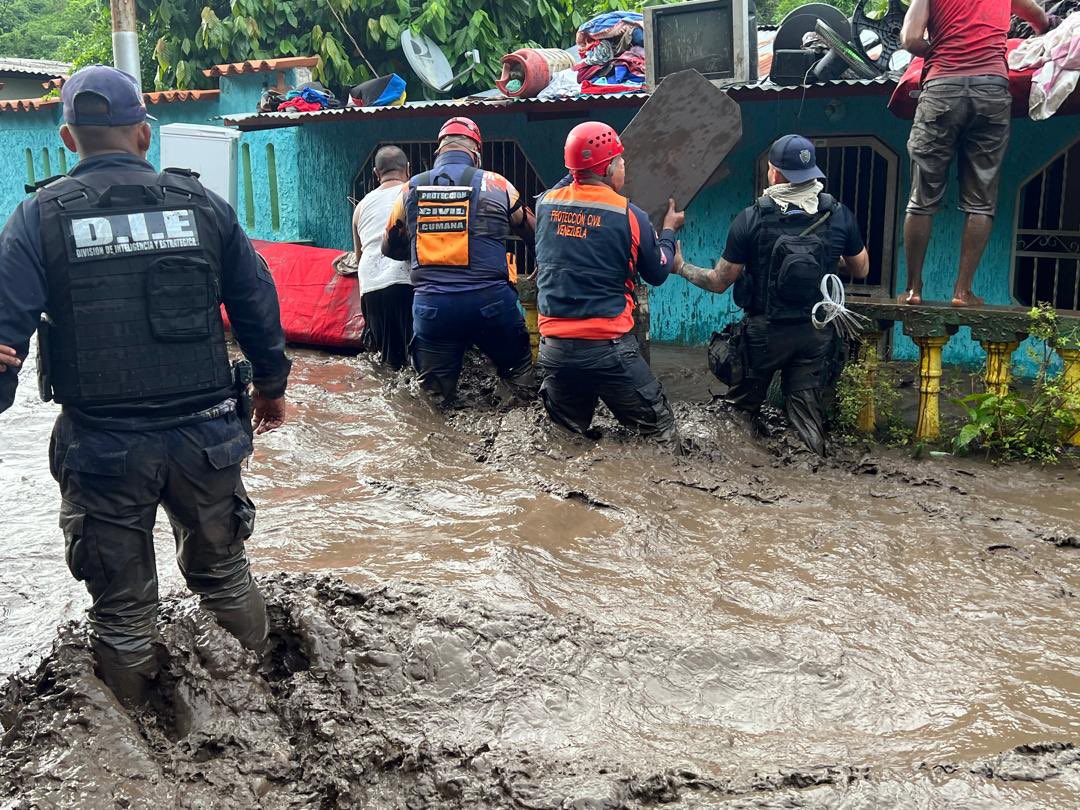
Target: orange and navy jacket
{"points": [[590, 244], [457, 221]]}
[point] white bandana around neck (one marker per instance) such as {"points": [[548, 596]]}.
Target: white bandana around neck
{"points": [[801, 195]]}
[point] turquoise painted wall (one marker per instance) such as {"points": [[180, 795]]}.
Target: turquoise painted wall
{"points": [[272, 178], [35, 131]]}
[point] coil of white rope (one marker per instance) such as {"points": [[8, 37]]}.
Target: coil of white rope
{"points": [[831, 309]]}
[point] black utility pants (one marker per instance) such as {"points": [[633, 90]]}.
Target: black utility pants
{"points": [[388, 323], [446, 325], [803, 355], [578, 373], [112, 481]]}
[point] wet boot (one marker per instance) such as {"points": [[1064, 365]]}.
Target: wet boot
{"points": [[245, 619], [523, 384], [128, 676], [804, 411]]}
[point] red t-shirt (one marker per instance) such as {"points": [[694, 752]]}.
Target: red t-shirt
{"points": [[967, 38]]}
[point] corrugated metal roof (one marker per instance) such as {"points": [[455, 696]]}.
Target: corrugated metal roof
{"points": [[885, 83], [741, 92], [34, 67], [250, 121]]}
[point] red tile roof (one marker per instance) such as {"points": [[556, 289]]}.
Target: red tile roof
{"points": [[169, 96], [26, 104], [160, 97], [261, 66]]}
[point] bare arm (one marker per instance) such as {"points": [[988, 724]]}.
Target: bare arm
{"points": [[356, 232], [523, 221], [913, 33], [716, 280], [857, 266], [395, 242], [1033, 13]]}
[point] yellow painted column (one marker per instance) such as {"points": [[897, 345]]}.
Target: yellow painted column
{"points": [[526, 289], [929, 423], [1071, 358], [998, 365], [868, 353], [532, 323]]}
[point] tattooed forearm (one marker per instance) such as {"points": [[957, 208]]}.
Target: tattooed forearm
{"points": [[699, 276]]}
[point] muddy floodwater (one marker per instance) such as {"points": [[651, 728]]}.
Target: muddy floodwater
{"points": [[475, 611]]}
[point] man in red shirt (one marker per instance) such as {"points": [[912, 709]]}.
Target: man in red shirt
{"points": [[964, 110]]}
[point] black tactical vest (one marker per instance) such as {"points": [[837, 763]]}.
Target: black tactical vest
{"points": [[133, 264], [783, 283]]}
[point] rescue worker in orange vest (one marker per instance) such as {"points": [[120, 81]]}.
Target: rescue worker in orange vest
{"points": [[452, 224], [590, 243]]}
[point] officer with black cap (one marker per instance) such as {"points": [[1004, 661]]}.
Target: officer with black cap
{"points": [[129, 268], [778, 251]]}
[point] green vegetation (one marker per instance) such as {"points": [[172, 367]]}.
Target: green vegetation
{"points": [[1026, 424], [182, 37], [868, 380], [43, 29]]}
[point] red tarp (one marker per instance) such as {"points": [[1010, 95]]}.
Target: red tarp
{"points": [[902, 105], [319, 307]]}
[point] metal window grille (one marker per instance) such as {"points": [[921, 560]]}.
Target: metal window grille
{"points": [[502, 156], [1046, 259], [862, 173]]}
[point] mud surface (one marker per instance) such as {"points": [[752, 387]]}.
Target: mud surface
{"points": [[532, 621]]}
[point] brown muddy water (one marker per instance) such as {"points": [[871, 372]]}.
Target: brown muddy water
{"points": [[531, 621]]}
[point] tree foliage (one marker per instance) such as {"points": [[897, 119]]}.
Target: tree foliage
{"points": [[43, 29], [353, 36]]}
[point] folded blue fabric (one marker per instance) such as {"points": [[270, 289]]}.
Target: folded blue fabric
{"points": [[394, 88], [604, 22]]}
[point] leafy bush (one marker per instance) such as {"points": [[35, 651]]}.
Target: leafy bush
{"points": [[1027, 425], [862, 380]]}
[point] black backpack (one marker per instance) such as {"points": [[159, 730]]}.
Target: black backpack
{"points": [[797, 262]]}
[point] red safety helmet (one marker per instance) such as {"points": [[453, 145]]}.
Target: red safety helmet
{"points": [[592, 145], [462, 126]]}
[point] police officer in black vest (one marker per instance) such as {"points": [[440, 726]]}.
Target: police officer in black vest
{"points": [[130, 268], [778, 250]]}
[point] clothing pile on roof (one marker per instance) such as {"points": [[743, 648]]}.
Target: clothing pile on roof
{"points": [[382, 91], [308, 97], [1055, 56], [612, 49]]}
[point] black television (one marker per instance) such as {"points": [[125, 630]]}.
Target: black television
{"points": [[717, 38]]}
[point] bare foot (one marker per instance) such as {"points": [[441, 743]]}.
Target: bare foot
{"points": [[910, 297], [968, 299]]}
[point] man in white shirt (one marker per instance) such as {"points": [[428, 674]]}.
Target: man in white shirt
{"points": [[386, 295]]}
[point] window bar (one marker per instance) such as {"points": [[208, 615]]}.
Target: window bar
{"points": [[1057, 279], [1034, 281], [1064, 185], [1076, 284], [1044, 177]]}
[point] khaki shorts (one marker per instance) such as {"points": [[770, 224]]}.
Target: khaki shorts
{"points": [[966, 117]]}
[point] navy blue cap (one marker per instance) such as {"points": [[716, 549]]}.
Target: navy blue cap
{"points": [[119, 90], [796, 159]]}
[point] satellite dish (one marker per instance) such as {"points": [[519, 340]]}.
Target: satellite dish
{"points": [[429, 63]]}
